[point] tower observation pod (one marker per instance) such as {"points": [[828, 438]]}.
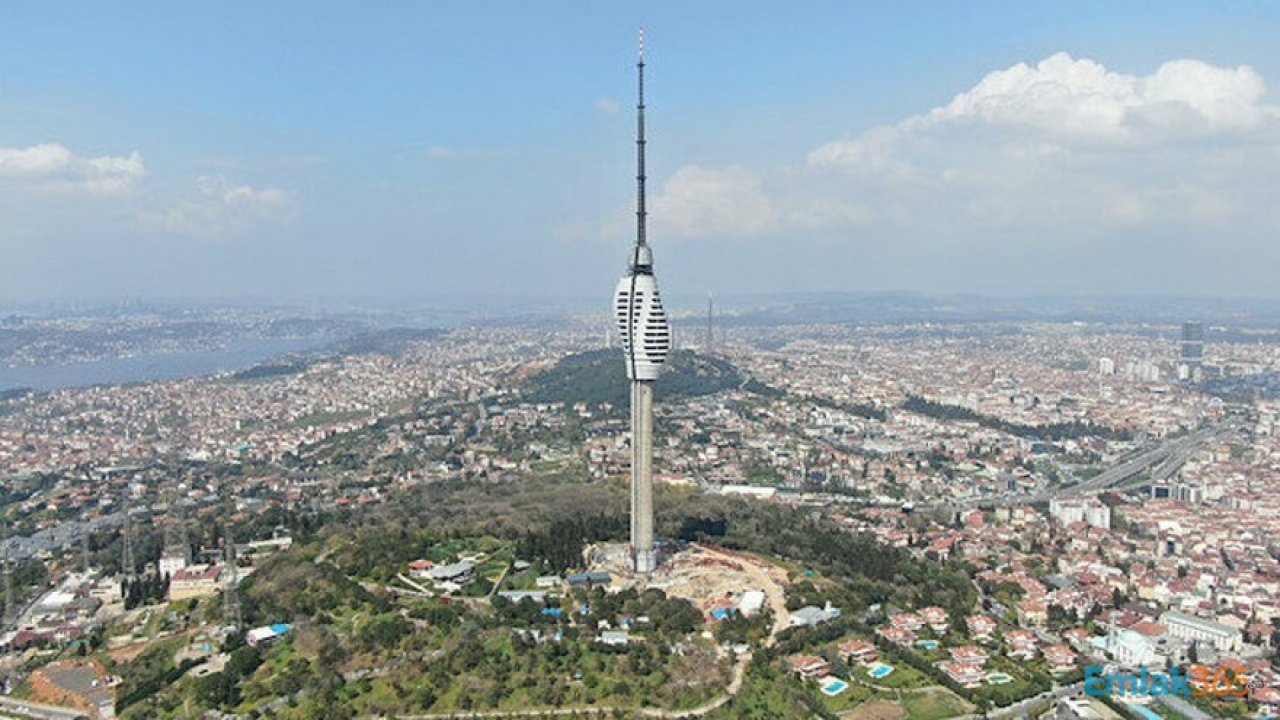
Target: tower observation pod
{"points": [[646, 343]]}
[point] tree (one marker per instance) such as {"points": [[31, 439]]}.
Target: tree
{"points": [[384, 631], [216, 690]]}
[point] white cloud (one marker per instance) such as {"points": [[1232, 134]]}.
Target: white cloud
{"points": [[222, 207], [1073, 103], [50, 166], [1070, 145], [607, 106], [696, 202], [1080, 99], [232, 195], [1032, 161]]}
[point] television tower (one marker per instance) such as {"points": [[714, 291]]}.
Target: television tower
{"points": [[710, 328], [646, 342]]}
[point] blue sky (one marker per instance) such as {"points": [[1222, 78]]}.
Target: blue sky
{"points": [[304, 151]]}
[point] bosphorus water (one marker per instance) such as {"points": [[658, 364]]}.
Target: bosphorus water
{"points": [[151, 367]]}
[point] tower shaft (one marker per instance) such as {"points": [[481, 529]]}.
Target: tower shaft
{"points": [[642, 475]]}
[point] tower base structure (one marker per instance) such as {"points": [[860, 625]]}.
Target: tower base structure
{"points": [[644, 560]]}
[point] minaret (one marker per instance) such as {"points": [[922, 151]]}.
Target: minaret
{"points": [[646, 342]]}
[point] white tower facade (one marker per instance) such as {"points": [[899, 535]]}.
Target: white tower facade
{"points": [[646, 343], [642, 324]]}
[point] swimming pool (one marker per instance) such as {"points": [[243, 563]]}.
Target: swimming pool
{"points": [[1144, 713], [928, 644], [834, 686], [879, 670], [998, 678]]}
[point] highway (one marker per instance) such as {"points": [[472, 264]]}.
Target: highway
{"points": [[1165, 457]]}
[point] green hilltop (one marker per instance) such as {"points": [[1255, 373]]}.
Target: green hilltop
{"points": [[599, 376]]}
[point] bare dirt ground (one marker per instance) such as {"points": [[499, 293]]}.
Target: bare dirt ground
{"points": [[704, 574], [707, 575]]}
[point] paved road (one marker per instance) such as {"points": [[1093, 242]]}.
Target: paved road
{"points": [[1024, 708], [26, 708], [1166, 457], [1184, 708]]}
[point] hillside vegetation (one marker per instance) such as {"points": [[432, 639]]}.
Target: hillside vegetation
{"points": [[599, 376]]}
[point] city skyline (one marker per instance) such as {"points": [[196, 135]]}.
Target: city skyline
{"points": [[410, 152]]}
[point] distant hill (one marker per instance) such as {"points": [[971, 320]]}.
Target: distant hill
{"points": [[599, 376], [385, 342], [15, 393], [271, 369]]}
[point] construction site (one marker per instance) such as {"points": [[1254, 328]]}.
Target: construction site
{"points": [[716, 580]]}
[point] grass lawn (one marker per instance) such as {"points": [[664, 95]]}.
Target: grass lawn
{"points": [[903, 676], [523, 580], [934, 705], [852, 695], [878, 709], [491, 569]]}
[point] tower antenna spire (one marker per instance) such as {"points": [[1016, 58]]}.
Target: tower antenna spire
{"points": [[641, 213]]}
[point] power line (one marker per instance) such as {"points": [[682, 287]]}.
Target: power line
{"points": [[128, 566]]}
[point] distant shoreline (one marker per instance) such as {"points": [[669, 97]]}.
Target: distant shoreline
{"points": [[153, 367]]}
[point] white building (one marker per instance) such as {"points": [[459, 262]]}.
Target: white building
{"points": [[1132, 649], [1224, 638], [173, 560], [752, 602], [1089, 511]]}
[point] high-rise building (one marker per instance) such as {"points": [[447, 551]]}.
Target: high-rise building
{"points": [[646, 342], [1191, 351]]}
